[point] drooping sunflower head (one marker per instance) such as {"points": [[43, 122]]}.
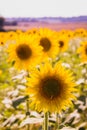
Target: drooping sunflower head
{"points": [[25, 52], [82, 50], [48, 41], [51, 88]]}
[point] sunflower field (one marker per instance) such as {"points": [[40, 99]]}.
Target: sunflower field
{"points": [[43, 79]]}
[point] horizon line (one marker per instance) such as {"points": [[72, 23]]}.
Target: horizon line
{"points": [[46, 16]]}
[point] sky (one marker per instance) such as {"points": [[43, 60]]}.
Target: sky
{"points": [[43, 8]]}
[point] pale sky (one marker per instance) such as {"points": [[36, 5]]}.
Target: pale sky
{"points": [[43, 8]]}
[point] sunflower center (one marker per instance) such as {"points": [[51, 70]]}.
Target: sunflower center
{"points": [[2, 43], [61, 43], [68, 35], [34, 31], [50, 88], [45, 43], [23, 52], [86, 51], [81, 32]]}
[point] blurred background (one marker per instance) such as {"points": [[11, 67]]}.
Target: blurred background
{"points": [[54, 14]]}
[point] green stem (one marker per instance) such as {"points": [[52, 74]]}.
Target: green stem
{"points": [[45, 121], [27, 107], [57, 122], [27, 113]]}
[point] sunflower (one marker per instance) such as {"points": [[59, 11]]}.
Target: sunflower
{"points": [[18, 31], [62, 42], [24, 52], [63, 32], [32, 31], [11, 35], [48, 41], [69, 34], [50, 88], [84, 35], [79, 32], [3, 38], [82, 50]]}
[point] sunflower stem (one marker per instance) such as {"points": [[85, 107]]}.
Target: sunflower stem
{"points": [[27, 113], [45, 121], [57, 122]]}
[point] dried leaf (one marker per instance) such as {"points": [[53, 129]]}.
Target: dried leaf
{"points": [[31, 121]]}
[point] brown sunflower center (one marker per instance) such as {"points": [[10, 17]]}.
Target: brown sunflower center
{"points": [[34, 31], [45, 43], [11, 35], [69, 35], [23, 51], [81, 32], [50, 88], [2, 43], [86, 50], [61, 43]]}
